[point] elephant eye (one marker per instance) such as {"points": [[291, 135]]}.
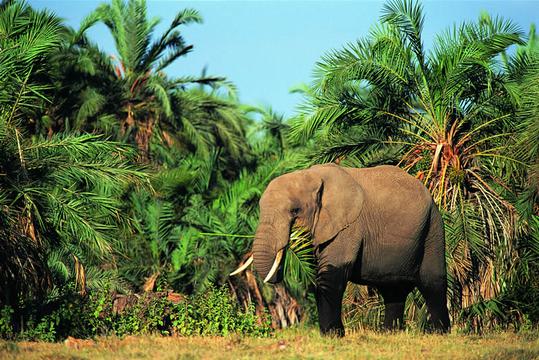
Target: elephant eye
{"points": [[295, 211]]}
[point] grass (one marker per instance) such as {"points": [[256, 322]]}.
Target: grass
{"points": [[287, 344]]}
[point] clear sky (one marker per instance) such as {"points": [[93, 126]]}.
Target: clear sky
{"points": [[266, 47]]}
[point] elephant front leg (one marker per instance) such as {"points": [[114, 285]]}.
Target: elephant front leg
{"points": [[329, 293]]}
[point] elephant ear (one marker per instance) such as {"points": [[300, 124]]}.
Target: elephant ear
{"points": [[340, 202]]}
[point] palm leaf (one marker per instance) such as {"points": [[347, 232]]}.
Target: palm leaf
{"points": [[299, 265]]}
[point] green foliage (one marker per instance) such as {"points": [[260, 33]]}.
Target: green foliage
{"points": [[215, 312], [212, 313], [60, 195], [147, 315], [300, 265], [6, 322], [26, 38], [79, 212], [156, 112]]}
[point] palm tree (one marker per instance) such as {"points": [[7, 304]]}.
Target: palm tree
{"points": [[208, 121], [158, 113], [25, 37], [85, 89], [525, 68], [145, 90], [444, 115], [60, 198], [153, 250], [269, 133]]}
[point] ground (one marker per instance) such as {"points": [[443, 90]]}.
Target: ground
{"points": [[287, 344]]}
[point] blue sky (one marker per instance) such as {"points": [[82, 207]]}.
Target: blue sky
{"points": [[266, 47]]}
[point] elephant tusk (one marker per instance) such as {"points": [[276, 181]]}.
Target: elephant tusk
{"points": [[243, 267], [275, 265]]}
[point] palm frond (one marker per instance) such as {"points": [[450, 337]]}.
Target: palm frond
{"points": [[299, 265]]}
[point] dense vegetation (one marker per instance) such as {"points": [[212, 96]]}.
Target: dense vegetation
{"points": [[119, 178]]}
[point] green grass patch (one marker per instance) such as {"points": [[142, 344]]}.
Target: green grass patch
{"points": [[298, 343]]}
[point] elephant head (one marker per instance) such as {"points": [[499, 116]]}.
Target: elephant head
{"points": [[325, 199]]}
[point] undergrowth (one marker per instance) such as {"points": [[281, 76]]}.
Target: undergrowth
{"points": [[213, 312]]}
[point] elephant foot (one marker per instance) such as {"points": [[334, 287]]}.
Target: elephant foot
{"points": [[440, 329], [393, 328], [337, 332]]}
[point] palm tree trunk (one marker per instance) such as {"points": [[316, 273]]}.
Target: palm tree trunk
{"points": [[285, 310], [129, 120], [143, 136]]}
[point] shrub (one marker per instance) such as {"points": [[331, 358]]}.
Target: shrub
{"points": [[216, 313], [213, 312], [6, 322]]}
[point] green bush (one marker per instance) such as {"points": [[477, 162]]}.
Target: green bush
{"points": [[216, 313], [6, 322], [213, 312], [149, 314]]}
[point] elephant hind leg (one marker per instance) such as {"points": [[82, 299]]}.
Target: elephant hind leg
{"points": [[433, 275], [436, 299], [394, 299]]}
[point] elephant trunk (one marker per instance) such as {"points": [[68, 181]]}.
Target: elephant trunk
{"points": [[268, 247]]}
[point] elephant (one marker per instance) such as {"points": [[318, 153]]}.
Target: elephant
{"points": [[376, 226]]}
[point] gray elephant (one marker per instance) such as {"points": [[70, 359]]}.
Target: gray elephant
{"points": [[374, 226]]}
